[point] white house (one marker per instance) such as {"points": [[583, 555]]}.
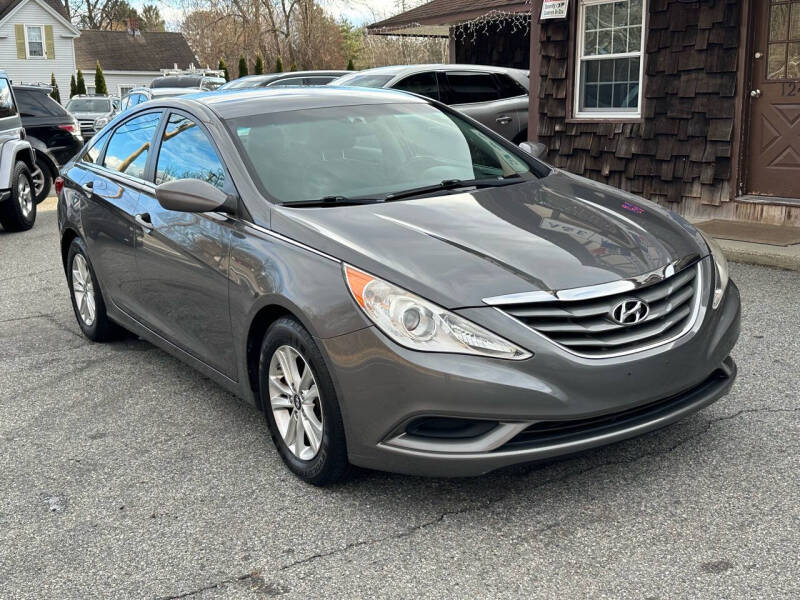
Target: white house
{"points": [[37, 39]]}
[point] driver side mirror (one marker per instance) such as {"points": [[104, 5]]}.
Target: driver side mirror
{"points": [[194, 196], [535, 149]]}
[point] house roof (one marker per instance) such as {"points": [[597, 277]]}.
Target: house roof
{"points": [[435, 18], [122, 51], [6, 6]]}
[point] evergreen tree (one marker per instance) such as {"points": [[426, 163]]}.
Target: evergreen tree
{"points": [[55, 95], [99, 81], [73, 88], [242, 66], [80, 84], [224, 68], [259, 68], [278, 65], [293, 67], [350, 65]]}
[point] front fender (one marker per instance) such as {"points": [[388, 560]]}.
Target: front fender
{"points": [[10, 152]]}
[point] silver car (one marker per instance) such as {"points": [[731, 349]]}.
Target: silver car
{"points": [[494, 96], [89, 109]]}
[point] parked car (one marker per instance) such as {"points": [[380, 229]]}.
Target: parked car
{"points": [[140, 95], [206, 83], [394, 284], [290, 78], [17, 161], [495, 96], [51, 130], [88, 110]]}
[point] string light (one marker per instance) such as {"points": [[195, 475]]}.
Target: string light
{"points": [[486, 24]]}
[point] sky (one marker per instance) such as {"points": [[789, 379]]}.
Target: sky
{"points": [[357, 12]]}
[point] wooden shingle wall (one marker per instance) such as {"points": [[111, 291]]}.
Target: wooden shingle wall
{"points": [[681, 150]]}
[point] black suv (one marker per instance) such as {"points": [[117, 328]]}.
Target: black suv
{"points": [[51, 130]]}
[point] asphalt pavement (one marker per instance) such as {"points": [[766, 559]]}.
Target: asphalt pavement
{"points": [[125, 474]]}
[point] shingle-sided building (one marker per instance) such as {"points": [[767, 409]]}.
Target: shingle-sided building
{"points": [[693, 103]]}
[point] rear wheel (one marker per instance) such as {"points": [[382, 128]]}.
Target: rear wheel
{"points": [[42, 180], [301, 406], [87, 300], [18, 212]]}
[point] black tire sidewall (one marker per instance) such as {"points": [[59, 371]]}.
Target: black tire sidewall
{"points": [[330, 463], [48, 180]]}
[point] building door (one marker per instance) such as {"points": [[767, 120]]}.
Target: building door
{"points": [[774, 144]]}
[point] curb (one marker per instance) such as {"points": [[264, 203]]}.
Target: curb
{"points": [[781, 257]]}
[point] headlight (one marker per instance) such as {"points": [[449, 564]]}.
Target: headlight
{"points": [[100, 122], [720, 270], [418, 324]]}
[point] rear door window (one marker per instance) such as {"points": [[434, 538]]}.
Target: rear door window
{"points": [[467, 87], [424, 84], [130, 144], [37, 104], [509, 88]]}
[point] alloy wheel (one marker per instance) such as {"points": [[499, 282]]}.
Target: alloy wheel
{"points": [[25, 196], [83, 290], [38, 181], [295, 402]]}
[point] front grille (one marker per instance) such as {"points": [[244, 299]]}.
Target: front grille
{"points": [[547, 433], [585, 327]]}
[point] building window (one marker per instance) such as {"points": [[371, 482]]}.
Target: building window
{"points": [[608, 74], [124, 90], [35, 35]]}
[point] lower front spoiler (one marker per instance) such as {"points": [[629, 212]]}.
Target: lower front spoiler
{"points": [[397, 456]]}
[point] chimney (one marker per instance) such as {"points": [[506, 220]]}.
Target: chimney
{"points": [[132, 26]]}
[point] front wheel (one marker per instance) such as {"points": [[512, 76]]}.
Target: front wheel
{"points": [[18, 212], [301, 406]]}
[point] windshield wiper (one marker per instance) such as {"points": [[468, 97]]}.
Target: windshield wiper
{"points": [[453, 184], [333, 201]]}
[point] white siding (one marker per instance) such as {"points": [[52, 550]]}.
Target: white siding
{"points": [[113, 80], [37, 69]]}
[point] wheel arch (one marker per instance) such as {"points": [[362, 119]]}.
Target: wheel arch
{"points": [[67, 237]]}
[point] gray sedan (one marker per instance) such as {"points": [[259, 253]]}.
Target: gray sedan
{"points": [[393, 284], [494, 96]]}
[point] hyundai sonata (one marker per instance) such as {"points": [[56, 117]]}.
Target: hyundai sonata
{"points": [[393, 284]]}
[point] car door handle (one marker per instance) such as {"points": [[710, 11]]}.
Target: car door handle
{"points": [[143, 221], [504, 120]]}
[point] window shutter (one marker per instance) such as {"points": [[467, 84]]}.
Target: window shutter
{"points": [[49, 45], [19, 33]]}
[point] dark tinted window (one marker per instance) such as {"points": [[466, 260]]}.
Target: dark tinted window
{"points": [[467, 87], [508, 87], [420, 83], [187, 153], [289, 81], [37, 104], [7, 108], [130, 143]]}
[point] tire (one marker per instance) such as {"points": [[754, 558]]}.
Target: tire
{"points": [[42, 178], [285, 340], [84, 291], [18, 213]]}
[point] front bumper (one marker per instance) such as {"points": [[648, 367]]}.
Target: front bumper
{"points": [[383, 388]]}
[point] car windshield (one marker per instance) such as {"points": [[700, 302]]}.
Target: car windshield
{"points": [[365, 80], [245, 82], [89, 105], [367, 151]]}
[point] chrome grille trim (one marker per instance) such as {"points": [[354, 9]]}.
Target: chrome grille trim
{"points": [[675, 302]]}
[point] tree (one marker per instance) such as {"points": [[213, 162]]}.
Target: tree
{"points": [[55, 95], [224, 68], [99, 81], [350, 65], [73, 88], [259, 68], [278, 65], [151, 19], [80, 84], [242, 66], [293, 67]]}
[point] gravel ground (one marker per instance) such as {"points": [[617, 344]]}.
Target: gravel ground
{"points": [[124, 474]]}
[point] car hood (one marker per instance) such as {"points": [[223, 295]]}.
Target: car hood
{"points": [[554, 233]]}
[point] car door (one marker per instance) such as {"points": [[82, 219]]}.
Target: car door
{"points": [[182, 258], [476, 94], [114, 169]]}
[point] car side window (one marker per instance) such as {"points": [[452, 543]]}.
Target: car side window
{"points": [[289, 81], [130, 144], [95, 147], [7, 107], [187, 153], [509, 88], [467, 87], [37, 104], [420, 83]]}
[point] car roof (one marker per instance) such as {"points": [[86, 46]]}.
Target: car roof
{"points": [[399, 69], [45, 89], [247, 101]]}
